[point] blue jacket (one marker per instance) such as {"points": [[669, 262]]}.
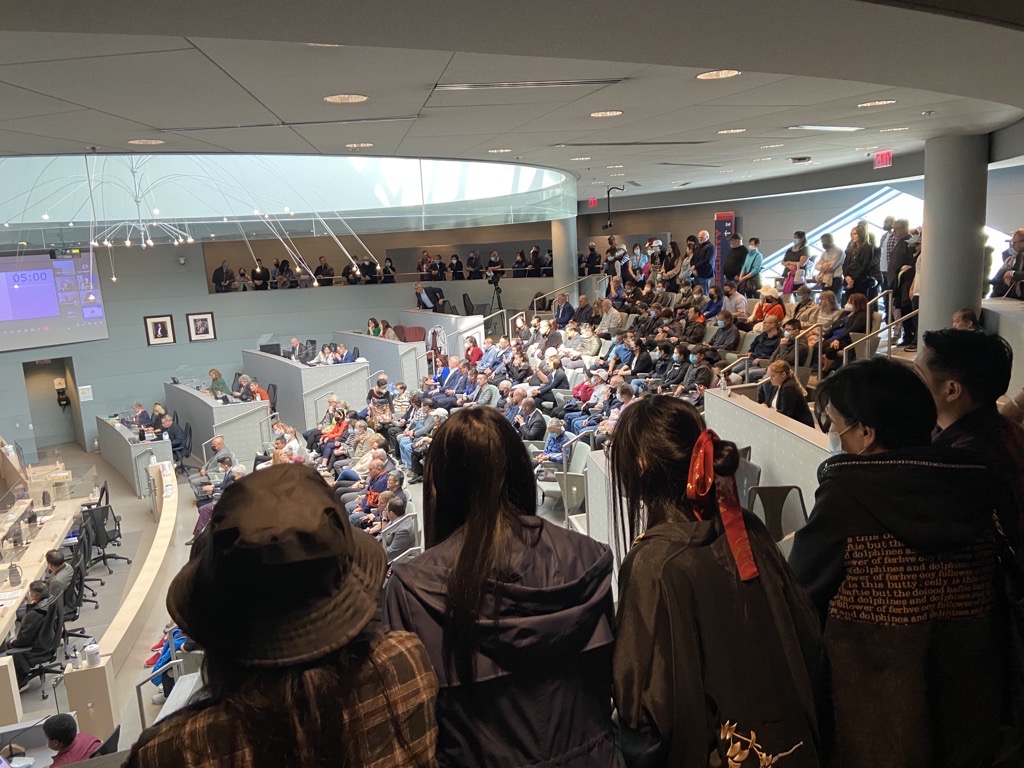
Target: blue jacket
{"points": [[553, 447], [563, 314]]}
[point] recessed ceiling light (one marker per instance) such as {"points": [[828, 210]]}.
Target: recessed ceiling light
{"points": [[71, 223], [893, 130], [359, 145], [865, 149], [146, 142], [728, 171], [526, 84], [501, 151], [324, 45], [615, 166], [578, 159], [616, 174], [6, 225], [761, 159], [826, 128], [156, 211], [46, 217], [928, 112], [726, 131], [878, 103], [607, 113], [718, 74], [772, 146], [345, 98]]}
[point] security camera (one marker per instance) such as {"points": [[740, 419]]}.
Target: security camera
{"points": [[181, 260]]}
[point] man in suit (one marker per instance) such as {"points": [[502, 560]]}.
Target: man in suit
{"points": [[458, 383], [324, 273], [342, 355], [58, 572], [429, 297], [400, 533], [482, 394], [296, 350], [175, 434], [1007, 281], [564, 311], [530, 422], [220, 450], [223, 277]]}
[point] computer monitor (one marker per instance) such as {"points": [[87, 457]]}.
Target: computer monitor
{"points": [[272, 349]]}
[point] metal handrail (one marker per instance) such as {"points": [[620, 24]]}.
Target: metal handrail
{"points": [[888, 351], [577, 281], [888, 307], [316, 402], [431, 361], [141, 683], [733, 364], [511, 323], [796, 351]]}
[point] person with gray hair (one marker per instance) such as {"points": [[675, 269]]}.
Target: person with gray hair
{"points": [[553, 449]]}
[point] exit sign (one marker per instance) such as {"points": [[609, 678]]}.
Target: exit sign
{"points": [[883, 159], [592, 202]]}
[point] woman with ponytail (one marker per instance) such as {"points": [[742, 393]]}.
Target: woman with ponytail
{"points": [[515, 612], [717, 647]]}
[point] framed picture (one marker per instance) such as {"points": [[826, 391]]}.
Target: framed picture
{"points": [[159, 330], [200, 326]]}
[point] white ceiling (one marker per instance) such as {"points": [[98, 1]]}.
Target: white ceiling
{"points": [[64, 93]]}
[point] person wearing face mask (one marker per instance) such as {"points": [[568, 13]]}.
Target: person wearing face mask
{"points": [[697, 378], [703, 266], [795, 263], [749, 280], [675, 371], [695, 326], [855, 321], [456, 268], [726, 338], [388, 271], [792, 345], [806, 310], [769, 305], [639, 265], [898, 557], [734, 301], [829, 275], [698, 299], [732, 264], [714, 305]]}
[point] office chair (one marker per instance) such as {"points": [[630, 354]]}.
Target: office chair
{"points": [[355, 352], [109, 745], [42, 655], [106, 537], [73, 600], [272, 391], [86, 537], [102, 500], [468, 304], [311, 345], [186, 449], [234, 382], [174, 417]]}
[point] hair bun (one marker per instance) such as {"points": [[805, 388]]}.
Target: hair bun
{"points": [[727, 458]]}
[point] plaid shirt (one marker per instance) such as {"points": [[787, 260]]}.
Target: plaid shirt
{"points": [[394, 692]]}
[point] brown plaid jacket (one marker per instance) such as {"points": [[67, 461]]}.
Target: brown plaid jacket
{"points": [[394, 691]]}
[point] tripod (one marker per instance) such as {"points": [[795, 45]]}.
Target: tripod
{"points": [[495, 299]]}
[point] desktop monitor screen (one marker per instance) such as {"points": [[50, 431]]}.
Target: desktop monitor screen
{"points": [[273, 349]]}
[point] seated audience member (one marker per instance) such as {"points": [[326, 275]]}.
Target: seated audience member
{"points": [[697, 299], [402, 420], [530, 421], [734, 301], [582, 350], [500, 625], [770, 304], [548, 337], [473, 352], [59, 573], [716, 644], [966, 373], [715, 303], [313, 436], [781, 392], [563, 310], [219, 450], [584, 312], [557, 438], [266, 641], [698, 378], [966, 320], [399, 532], [580, 394], [343, 355], [805, 309], [556, 379], [458, 383], [245, 392], [611, 320], [855, 321], [726, 338], [791, 345], [33, 633], [603, 432], [898, 558], [217, 384], [481, 393], [695, 327], [760, 354], [417, 430], [215, 493], [678, 363], [362, 509], [175, 434], [489, 356], [140, 416], [62, 737]]}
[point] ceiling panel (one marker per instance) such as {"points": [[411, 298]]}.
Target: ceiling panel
{"points": [[487, 68], [292, 79], [493, 96], [17, 102], [332, 139], [796, 91], [20, 47], [166, 90], [472, 121], [27, 144], [281, 138], [89, 128]]}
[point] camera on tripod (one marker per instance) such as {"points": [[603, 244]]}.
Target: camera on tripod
{"points": [[494, 279]]}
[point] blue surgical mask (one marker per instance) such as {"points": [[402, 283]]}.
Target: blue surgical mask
{"points": [[675, 357], [788, 334], [720, 323], [835, 443], [693, 358]]}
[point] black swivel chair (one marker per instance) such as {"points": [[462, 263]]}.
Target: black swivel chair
{"points": [[74, 598], [355, 352], [272, 391], [42, 655], [174, 417], [102, 500], [106, 537], [186, 449], [468, 304], [234, 382], [109, 745]]}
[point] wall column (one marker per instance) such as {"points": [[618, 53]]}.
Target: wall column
{"points": [[952, 248], [563, 246]]}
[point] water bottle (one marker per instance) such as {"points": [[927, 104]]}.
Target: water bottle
{"points": [[96, 444], [76, 660], [724, 384]]}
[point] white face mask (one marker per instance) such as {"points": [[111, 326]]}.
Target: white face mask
{"points": [[796, 243], [848, 307]]}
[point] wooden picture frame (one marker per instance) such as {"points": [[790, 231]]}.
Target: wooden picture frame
{"points": [[201, 326], [159, 330]]}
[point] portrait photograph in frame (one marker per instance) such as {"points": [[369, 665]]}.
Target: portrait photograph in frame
{"points": [[159, 330], [200, 326]]}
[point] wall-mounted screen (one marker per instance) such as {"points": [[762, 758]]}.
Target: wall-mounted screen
{"points": [[50, 299]]}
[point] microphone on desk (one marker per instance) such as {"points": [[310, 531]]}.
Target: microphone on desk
{"points": [[8, 750]]}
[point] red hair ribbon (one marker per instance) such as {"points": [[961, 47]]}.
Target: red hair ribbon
{"points": [[699, 485]]}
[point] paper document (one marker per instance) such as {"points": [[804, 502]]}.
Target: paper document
{"points": [[11, 594]]}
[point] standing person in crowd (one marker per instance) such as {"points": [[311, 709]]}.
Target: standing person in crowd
{"points": [[522, 647], [748, 282], [639, 265], [388, 271], [783, 393], [1007, 281], [899, 258], [242, 281], [830, 265], [885, 247], [732, 264], [672, 267], [223, 278], [966, 373], [436, 270], [281, 593], [794, 263], [324, 273], [423, 266], [717, 648], [495, 266], [456, 268], [593, 260], [260, 276], [857, 265], [474, 266], [703, 265], [520, 267], [898, 557]]}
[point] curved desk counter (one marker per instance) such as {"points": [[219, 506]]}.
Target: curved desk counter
{"points": [[245, 426], [122, 450]]}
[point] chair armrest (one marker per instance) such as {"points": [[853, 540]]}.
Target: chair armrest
{"points": [[14, 651]]}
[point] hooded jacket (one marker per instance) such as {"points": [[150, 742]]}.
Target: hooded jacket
{"points": [[541, 687], [899, 558]]}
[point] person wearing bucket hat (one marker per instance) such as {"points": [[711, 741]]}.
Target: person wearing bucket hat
{"points": [[770, 304], [282, 595]]}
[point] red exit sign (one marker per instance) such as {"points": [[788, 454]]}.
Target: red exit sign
{"points": [[883, 159], [592, 202]]}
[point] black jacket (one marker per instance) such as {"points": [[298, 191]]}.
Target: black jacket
{"points": [[704, 260], [858, 264], [791, 400], [733, 262], [899, 257], [898, 557], [697, 648], [542, 676], [35, 632], [435, 295]]}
